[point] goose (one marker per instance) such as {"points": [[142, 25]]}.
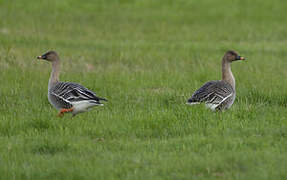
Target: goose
{"points": [[68, 96], [218, 95]]}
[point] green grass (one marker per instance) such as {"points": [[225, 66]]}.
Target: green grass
{"points": [[145, 57]]}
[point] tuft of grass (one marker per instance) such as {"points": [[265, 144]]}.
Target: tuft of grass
{"points": [[50, 148]]}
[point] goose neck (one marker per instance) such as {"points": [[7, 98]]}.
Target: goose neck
{"points": [[227, 75], [54, 77]]}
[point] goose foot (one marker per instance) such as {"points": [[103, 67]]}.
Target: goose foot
{"points": [[61, 113]]}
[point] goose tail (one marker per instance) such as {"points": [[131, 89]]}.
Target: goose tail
{"points": [[102, 99]]}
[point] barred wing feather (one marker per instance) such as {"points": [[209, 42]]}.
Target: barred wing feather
{"points": [[72, 92], [212, 93], [58, 101]]}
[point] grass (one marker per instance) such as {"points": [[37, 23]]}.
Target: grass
{"points": [[146, 58]]}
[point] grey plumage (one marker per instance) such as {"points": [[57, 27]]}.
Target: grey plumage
{"points": [[63, 94], [68, 96], [216, 94], [219, 95]]}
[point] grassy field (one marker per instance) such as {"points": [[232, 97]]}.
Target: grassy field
{"points": [[145, 57]]}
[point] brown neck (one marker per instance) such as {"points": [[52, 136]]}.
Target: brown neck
{"points": [[227, 75], [54, 77]]}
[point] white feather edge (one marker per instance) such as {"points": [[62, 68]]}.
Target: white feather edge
{"points": [[214, 106], [193, 103]]}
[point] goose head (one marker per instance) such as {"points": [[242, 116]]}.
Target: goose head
{"points": [[231, 56], [49, 56]]}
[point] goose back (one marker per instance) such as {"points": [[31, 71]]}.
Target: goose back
{"points": [[65, 94], [217, 95]]}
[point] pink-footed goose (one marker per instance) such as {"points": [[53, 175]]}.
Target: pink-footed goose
{"points": [[68, 96], [218, 95]]}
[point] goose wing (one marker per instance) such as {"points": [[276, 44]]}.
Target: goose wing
{"points": [[73, 92], [212, 92]]}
